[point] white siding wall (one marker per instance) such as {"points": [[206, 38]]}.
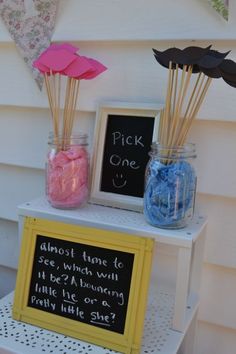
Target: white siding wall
{"points": [[121, 34]]}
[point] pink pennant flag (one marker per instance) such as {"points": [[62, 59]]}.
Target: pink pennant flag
{"points": [[31, 24]]}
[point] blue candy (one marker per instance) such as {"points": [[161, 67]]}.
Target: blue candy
{"points": [[169, 193]]}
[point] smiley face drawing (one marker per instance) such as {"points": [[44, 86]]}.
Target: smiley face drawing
{"points": [[119, 181]]}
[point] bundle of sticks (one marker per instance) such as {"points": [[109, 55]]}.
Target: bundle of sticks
{"points": [[186, 91], [63, 61], [63, 121], [177, 117]]}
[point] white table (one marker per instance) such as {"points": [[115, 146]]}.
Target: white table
{"points": [[173, 305]]}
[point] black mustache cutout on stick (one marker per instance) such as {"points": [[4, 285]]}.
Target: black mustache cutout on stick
{"points": [[186, 92], [206, 60]]}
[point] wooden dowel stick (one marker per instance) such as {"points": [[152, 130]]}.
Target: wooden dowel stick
{"points": [[177, 123], [175, 88], [202, 96], [71, 107], [167, 107], [52, 102], [74, 104], [195, 112], [169, 112], [66, 102], [49, 93], [198, 93], [175, 120], [58, 103], [161, 124], [185, 119], [186, 84], [192, 95]]}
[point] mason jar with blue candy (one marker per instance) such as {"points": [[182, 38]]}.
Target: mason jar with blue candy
{"points": [[170, 186]]}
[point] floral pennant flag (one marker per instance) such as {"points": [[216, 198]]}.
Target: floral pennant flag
{"points": [[222, 7], [31, 24]]}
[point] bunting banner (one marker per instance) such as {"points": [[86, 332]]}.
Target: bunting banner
{"points": [[31, 25], [222, 7]]}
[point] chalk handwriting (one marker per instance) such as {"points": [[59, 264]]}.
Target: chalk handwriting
{"points": [[118, 181], [47, 247], [116, 160], [120, 139], [81, 282]]}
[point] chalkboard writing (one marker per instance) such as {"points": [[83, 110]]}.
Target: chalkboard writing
{"points": [[126, 147], [85, 283]]}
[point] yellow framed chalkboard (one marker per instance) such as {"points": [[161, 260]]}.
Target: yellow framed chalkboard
{"points": [[87, 283]]}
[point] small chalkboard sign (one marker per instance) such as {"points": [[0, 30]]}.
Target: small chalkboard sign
{"points": [[123, 138], [90, 284]]}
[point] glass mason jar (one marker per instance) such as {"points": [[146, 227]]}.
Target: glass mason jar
{"points": [[67, 171], [170, 186]]}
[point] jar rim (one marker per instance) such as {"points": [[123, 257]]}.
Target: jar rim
{"points": [[74, 135], [74, 139], [188, 150]]}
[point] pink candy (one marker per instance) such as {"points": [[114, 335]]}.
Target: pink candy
{"points": [[67, 177]]}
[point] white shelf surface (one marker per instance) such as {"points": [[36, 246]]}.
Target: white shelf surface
{"points": [[158, 337], [114, 219]]}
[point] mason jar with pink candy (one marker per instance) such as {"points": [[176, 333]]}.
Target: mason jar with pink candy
{"points": [[67, 171], [67, 167]]}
